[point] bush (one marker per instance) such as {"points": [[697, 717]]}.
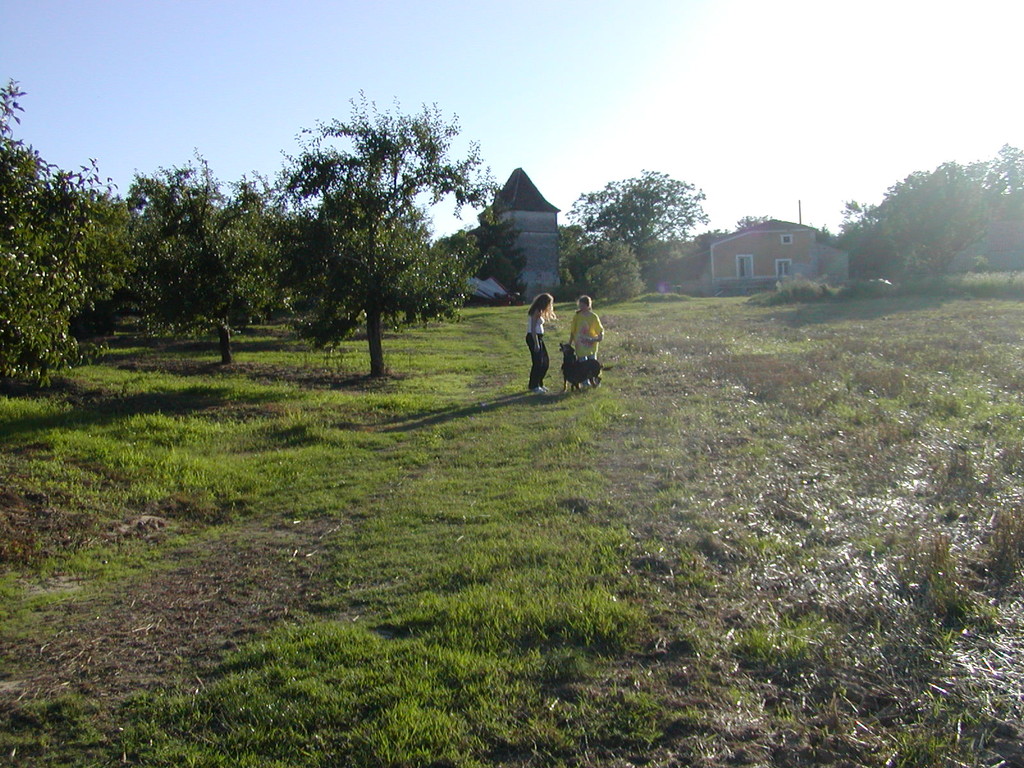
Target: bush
{"points": [[988, 285], [662, 298], [569, 292], [796, 291], [867, 289], [616, 275], [993, 285]]}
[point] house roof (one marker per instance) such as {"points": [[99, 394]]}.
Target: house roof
{"points": [[765, 227], [520, 194], [773, 225]]}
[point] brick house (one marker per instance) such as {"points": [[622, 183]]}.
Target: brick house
{"points": [[756, 258]]}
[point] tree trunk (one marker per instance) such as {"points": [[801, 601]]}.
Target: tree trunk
{"points": [[224, 333], [375, 337]]}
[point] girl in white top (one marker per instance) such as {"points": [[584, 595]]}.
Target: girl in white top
{"points": [[542, 308]]}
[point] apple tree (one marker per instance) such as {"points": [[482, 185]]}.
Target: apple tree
{"points": [[50, 222], [207, 260], [365, 186]]}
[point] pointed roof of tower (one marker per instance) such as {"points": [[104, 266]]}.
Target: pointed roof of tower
{"points": [[520, 194]]}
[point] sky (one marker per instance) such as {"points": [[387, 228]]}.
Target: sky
{"points": [[779, 108]]}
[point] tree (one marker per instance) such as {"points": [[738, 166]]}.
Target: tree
{"points": [[694, 256], [1004, 183], [615, 273], [604, 268], [375, 264], [499, 257], [746, 222], [641, 212], [922, 223], [490, 247], [572, 258], [109, 264], [872, 251], [206, 260], [48, 222]]}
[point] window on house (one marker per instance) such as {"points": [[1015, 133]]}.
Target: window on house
{"points": [[787, 239], [744, 266], [782, 267]]}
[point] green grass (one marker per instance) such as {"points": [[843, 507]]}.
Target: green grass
{"points": [[793, 518], [328, 694]]}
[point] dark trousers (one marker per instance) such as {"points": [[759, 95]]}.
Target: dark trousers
{"points": [[539, 356]]}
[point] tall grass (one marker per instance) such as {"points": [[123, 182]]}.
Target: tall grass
{"points": [[979, 285], [718, 552]]}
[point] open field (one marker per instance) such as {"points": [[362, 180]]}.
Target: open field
{"points": [[783, 536]]}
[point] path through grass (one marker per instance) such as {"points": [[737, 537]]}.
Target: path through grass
{"points": [[776, 536]]}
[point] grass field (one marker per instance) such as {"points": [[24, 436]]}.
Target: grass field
{"points": [[784, 535]]}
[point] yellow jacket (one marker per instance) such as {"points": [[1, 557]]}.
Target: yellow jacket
{"points": [[585, 333]]}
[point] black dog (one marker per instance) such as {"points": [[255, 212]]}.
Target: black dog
{"points": [[575, 372]]}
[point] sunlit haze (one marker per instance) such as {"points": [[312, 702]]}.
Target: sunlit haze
{"points": [[765, 106]]}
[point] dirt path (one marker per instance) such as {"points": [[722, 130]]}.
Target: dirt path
{"points": [[168, 624]]}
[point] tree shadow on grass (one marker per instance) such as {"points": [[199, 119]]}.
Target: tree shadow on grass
{"points": [[312, 377], [97, 408], [121, 346]]}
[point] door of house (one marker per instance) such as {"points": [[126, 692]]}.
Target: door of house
{"points": [[745, 266]]}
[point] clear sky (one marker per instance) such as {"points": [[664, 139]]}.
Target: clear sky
{"points": [[763, 104]]}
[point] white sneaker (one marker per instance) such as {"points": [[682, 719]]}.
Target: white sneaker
{"points": [[538, 390]]}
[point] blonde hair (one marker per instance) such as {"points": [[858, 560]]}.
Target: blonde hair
{"points": [[585, 301], [544, 306]]}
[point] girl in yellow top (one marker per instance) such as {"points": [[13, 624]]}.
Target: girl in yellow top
{"points": [[586, 331]]}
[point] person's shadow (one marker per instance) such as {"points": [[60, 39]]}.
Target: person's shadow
{"points": [[442, 416]]}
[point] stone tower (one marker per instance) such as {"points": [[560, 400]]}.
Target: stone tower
{"points": [[536, 224]]}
